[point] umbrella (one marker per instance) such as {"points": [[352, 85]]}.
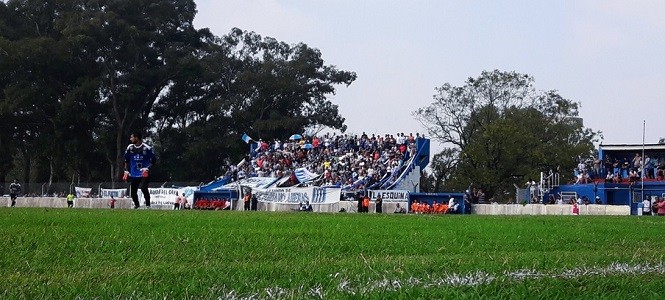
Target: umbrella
{"points": [[295, 137], [308, 146]]}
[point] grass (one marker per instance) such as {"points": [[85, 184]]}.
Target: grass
{"points": [[150, 254]]}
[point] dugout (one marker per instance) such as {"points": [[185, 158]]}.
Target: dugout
{"points": [[229, 195], [429, 198]]}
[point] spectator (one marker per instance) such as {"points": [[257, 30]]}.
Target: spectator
{"points": [[379, 204], [255, 202], [609, 169], [633, 176], [661, 207], [617, 178], [365, 204], [247, 198], [399, 209], [637, 161], [596, 167], [649, 165], [481, 196], [609, 178], [306, 206], [646, 209], [581, 166]]}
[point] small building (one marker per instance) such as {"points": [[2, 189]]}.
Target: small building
{"points": [[610, 180]]}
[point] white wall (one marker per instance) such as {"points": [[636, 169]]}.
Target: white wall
{"points": [[553, 209]]}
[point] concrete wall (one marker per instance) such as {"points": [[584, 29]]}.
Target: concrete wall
{"points": [[349, 206], [62, 202], [554, 209]]}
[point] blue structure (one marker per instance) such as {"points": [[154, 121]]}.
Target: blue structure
{"points": [[443, 198], [626, 192]]}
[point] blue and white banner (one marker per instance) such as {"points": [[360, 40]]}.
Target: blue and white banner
{"points": [[389, 195], [313, 195], [252, 182], [115, 193], [305, 175], [82, 192]]}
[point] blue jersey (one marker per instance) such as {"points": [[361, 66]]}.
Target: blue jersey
{"points": [[137, 158]]}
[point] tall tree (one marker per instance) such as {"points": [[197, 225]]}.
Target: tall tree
{"points": [[41, 86], [244, 83], [140, 47], [500, 128]]}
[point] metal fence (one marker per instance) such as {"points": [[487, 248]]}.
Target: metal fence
{"points": [[62, 189]]}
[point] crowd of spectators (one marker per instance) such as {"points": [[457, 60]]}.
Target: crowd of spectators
{"points": [[348, 161], [620, 170], [584, 200]]}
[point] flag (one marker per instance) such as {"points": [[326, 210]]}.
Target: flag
{"points": [[304, 175], [246, 138]]}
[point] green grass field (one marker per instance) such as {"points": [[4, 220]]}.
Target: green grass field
{"points": [[151, 254]]}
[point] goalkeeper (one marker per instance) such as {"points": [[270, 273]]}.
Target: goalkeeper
{"points": [[139, 157]]}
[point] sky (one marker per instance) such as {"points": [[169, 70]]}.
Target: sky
{"points": [[608, 55]]}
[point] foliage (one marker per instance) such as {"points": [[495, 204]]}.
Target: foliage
{"points": [[149, 254], [500, 131], [77, 76]]}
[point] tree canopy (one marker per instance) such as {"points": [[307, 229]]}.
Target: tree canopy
{"points": [[499, 131], [78, 76]]}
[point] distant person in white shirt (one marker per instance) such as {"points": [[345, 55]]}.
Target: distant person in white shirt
{"points": [[646, 210]]}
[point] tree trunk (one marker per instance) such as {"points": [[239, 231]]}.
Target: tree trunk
{"points": [[26, 172], [120, 161]]}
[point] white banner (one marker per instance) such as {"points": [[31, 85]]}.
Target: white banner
{"points": [[389, 195], [313, 195], [160, 196], [115, 193], [168, 196], [82, 192], [253, 182]]}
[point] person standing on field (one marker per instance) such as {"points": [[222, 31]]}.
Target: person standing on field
{"points": [[366, 204], [379, 204], [70, 200], [14, 191], [139, 158], [646, 209], [661, 207], [247, 198]]}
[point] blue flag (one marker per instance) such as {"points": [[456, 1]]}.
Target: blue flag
{"points": [[246, 138]]}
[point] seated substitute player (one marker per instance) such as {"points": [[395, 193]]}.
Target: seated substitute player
{"points": [[139, 157]]}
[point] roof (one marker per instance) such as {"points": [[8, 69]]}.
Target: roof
{"points": [[636, 147]]}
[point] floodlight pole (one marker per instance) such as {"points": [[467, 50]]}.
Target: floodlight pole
{"points": [[644, 125]]}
